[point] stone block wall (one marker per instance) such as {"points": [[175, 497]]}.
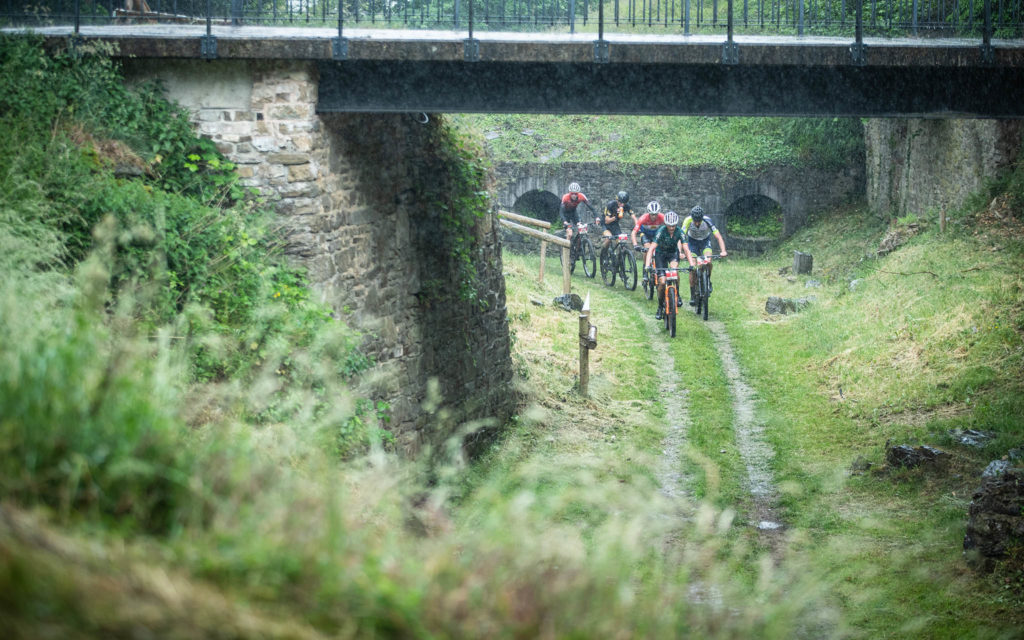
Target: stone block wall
{"points": [[348, 189], [799, 191], [921, 167]]}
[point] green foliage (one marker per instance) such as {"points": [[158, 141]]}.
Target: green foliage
{"points": [[460, 199], [731, 143], [89, 425], [767, 225]]}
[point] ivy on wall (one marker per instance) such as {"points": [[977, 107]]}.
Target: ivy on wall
{"points": [[456, 191]]}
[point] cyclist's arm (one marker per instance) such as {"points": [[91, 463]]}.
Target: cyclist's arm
{"points": [[593, 212], [686, 251], [721, 243], [561, 214]]}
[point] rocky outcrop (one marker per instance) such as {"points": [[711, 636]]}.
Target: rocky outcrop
{"points": [[996, 517]]}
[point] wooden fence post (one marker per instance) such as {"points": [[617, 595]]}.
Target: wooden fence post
{"points": [[506, 218], [588, 341], [566, 273]]}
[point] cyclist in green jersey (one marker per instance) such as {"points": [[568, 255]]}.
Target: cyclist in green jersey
{"points": [[665, 252]]}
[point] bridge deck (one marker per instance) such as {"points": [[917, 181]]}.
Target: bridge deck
{"points": [[407, 70], [257, 42]]}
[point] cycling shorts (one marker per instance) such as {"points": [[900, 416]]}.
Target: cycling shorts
{"points": [[613, 228], [699, 247], [663, 259], [649, 233]]}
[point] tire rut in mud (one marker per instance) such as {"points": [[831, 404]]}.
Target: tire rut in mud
{"points": [[754, 449]]}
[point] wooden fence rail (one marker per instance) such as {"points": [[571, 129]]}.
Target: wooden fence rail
{"points": [[506, 220]]}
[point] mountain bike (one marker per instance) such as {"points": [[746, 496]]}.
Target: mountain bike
{"points": [[582, 249], [670, 298], [619, 261], [702, 291], [650, 279]]}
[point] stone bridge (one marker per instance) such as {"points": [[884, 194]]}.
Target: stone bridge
{"points": [[795, 193], [349, 190]]}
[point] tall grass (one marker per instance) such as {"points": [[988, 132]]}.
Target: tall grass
{"points": [[730, 143]]}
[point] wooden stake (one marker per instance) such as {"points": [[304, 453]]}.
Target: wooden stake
{"points": [[584, 347], [566, 274], [543, 250]]}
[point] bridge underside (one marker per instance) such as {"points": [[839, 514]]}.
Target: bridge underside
{"points": [[670, 89]]}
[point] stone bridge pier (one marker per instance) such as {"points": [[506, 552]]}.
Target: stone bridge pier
{"points": [[349, 191]]}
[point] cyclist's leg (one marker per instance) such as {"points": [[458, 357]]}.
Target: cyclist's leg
{"points": [[659, 263], [706, 252]]}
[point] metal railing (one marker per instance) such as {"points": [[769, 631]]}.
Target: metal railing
{"points": [[951, 18]]}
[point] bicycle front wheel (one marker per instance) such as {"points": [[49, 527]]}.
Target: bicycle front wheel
{"points": [[573, 249], [705, 287], [650, 285], [608, 266], [671, 304], [627, 268], [588, 256]]}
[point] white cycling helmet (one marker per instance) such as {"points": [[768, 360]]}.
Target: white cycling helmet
{"points": [[574, 187], [653, 206], [672, 219]]}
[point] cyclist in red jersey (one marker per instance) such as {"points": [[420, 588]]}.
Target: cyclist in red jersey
{"points": [[567, 209], [648, 224]]}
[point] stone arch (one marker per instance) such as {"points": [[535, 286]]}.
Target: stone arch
{"points": [[753, 222], [535, 203], [539, 204]]}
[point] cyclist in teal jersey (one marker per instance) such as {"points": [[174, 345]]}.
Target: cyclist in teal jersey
{"points": [[664, 252], [698, 231]]}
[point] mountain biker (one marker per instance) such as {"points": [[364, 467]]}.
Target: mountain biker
{"points": [[698, 230], [567, 209], [648, 224], [609, 218], [668, 244], [622, 198]]}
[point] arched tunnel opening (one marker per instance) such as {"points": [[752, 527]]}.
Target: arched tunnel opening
{"points": [[754, 217], [753, 224], [542, 205]]}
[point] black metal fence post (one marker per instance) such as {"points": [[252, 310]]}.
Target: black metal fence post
{"points": [[471, 47], [988, 54], [339, 45], [730, 50], [600, 46], [858, 51]]}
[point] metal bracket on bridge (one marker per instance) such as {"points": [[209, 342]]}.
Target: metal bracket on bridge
{"points": [[208, 47], [471, 49], [859, 53], [339, 48], [730, 53], [601, 51], [988, 54], [75, 43]]}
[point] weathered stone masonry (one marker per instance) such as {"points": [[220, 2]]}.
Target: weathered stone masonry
{"points": [[349, 190], [921, 167]]}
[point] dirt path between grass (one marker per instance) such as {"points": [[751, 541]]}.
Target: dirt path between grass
{"points": [[754, 449]]}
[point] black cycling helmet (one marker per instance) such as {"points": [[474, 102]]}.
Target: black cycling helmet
{"points": [[623, 197], [697, 213]]}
